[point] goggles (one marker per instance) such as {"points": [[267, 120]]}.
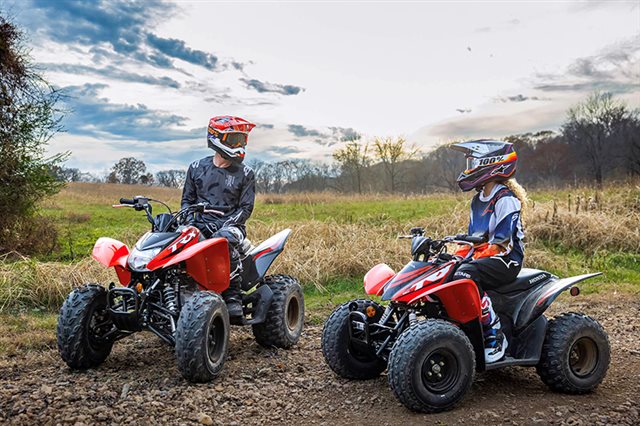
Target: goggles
{"points": [[230, 139], [473, 163]]}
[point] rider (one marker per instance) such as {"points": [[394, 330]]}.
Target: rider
{"points": [[496, 212], [227, 185]]}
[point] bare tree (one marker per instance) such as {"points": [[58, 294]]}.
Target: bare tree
{"points": [[171, 178], [444, 166], [391, 153], [592, 127], [353, 159]]}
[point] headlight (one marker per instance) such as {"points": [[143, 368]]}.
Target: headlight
{"points": [[138, 259]]}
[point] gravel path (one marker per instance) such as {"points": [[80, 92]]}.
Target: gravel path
{"points": [[139, 384]]}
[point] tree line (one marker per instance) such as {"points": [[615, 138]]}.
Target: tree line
{"points": [[599, 140]]}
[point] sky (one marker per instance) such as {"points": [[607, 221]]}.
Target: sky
{"points": [[143, 78]]}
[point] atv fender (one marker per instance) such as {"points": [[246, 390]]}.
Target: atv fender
{"points": [[207, 262], [376, 278], [113, 253], [460, 298], [264, 255], [538, 301]]}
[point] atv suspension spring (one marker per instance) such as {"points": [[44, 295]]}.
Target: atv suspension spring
{"points": [[169, 296]]}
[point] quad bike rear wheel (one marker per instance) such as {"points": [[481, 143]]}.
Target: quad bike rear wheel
{"points": [[575, 355], [202, 337], [431, 366], [285, 319], [341, 356], [82, 323]]}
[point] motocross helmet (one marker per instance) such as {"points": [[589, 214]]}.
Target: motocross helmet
{"points": [[228, 136], [487, 160]]}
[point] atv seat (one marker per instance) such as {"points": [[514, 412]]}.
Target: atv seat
{"points": [[526, 279]]}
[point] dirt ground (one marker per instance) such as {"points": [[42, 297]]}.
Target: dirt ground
{"points": [[140, 384]]}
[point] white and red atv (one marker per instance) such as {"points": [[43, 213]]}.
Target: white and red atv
{"points": [[170, 284]]}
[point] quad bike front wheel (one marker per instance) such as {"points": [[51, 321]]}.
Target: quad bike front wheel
{"points": [[202, 337], [575, 355], [339, 353], [285, 319], [82, 323], [431, 366]]}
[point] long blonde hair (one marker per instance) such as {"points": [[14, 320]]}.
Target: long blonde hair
{"points": [[521, 194]]}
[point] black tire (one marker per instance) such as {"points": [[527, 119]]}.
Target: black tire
{"points": [[285, 319], [83, 318], [338, 352], [202, 337], [431, 366], [575, 355]]}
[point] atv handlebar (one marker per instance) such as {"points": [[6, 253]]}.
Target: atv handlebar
{"points": [[470, 239], [182, 216]]}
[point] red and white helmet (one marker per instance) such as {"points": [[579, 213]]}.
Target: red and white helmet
{"points": [[228, 135]]}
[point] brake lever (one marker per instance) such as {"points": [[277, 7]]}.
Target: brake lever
{"points": [[216, 212], [118, 206]]}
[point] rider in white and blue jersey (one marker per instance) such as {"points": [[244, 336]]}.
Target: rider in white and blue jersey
{"points": [[495, 215]]}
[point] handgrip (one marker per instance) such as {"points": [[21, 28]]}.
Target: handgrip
{"points": [[471, 239], [126, 201]]}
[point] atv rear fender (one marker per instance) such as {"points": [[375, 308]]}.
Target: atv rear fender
{"points": [[268, 250], [113, 253], [376, 278], [207, 262], [539, 300]]}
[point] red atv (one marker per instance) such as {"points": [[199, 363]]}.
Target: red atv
{"points": [[171, 285], [429, 337]]}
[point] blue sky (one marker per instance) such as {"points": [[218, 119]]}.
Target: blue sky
{"points": [[142, 78]]}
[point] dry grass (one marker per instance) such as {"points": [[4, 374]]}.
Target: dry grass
{"points": [[319, 252]]}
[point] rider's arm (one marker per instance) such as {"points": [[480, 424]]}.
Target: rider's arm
{"points": [[189, 195], [247, 200]]}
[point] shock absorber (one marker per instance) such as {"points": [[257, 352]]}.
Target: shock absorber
{"points": [[169, 296]]}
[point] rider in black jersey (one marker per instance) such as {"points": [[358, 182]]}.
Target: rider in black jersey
{"points": [[226, 185]]}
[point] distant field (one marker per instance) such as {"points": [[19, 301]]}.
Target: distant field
{"points": [[337, 238]]}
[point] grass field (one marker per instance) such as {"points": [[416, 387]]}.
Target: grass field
{"points": [[337, 238]]}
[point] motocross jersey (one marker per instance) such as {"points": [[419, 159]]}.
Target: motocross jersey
{"points": [[498, 217], [230, 190]]}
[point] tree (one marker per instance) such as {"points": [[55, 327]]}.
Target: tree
{"points": [[354, 158], [28, 120], [592, 128], [443, 166], [171, 178], [130, 171], [391, 153], [66, 174]]}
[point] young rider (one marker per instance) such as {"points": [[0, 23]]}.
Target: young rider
{"points": [[226, 185], [496, 215]]}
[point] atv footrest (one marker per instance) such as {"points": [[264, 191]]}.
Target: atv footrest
{"points": [[256, 306], [509, 361], [123, 305]]}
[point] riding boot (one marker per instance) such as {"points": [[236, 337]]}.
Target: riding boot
{"points": [[495, 343], [233, 295]]}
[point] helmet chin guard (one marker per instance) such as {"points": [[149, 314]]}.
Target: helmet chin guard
{"points": [[487, 160]]}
